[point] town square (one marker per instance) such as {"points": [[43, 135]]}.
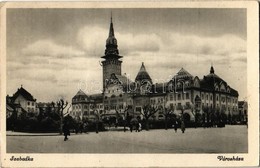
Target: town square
{"points": [[232, 139]]}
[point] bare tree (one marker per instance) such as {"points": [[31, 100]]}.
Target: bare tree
{"points": [[61, 106], [167, 113], [125, 113], [148, 111], [97, 117]]}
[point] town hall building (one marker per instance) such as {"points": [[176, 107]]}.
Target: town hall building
{"points": [[184, 95]]}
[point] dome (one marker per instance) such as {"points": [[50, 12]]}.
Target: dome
{"points": [[111, 41]]}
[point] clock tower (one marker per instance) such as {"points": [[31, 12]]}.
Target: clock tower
{"points": [[112, 62]]}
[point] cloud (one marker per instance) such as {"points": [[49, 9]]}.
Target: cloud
{"points": [[93, 40], [67, 69], [192, 44], [48, 48]]}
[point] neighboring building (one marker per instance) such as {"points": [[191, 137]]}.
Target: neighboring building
{"points": [[46, 107], [243, 110], [86, 107], [98, 102], [23, 98]]}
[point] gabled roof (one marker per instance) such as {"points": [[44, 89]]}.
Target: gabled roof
{"points": [[21, 91], [143, 75], [183, 74], [80, 94]]}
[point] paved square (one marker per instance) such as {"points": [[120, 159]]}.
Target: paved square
{"points": [[231, 139]]}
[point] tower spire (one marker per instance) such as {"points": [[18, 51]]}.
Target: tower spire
{"points": [[111, 42], [111, 18], [111, 30], [211, 69]]}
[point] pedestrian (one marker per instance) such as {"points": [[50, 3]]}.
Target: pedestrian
{"points": [[140, 127], [66, 131], [81, 127], [137, 127], [182, 127], [85, 127], [176, 126], [131, 127]]}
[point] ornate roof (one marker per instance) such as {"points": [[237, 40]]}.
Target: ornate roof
{"points": [[121, 80], [183, 74], [111, 44], [209, 81], [143, 75]]}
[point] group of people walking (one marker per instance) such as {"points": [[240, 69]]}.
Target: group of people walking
{"points": [[176, 125], [137, 126]]}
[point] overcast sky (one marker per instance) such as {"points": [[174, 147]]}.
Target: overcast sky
{"points": [[54, 52]]}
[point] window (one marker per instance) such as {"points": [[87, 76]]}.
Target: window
{"points": [[188, 104], [171, 97], [210, 97], [217, 98], [179, 106], [28, 103], [223, 99], [207, 97], [171, 106], [202, 96], [179, 96], [138, 109], [32, 103], [187, 95]]}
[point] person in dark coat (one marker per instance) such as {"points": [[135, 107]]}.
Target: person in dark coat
{"points": [[137, 127], [182, 126], [81, 127], [66, 131], [175, 126], [131, 127]]}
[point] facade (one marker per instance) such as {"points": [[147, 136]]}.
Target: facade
{"points": [[243, 110], [13, 109], [86, 107], [24, 99], [46, 107], [213, 94], [184, 95]]}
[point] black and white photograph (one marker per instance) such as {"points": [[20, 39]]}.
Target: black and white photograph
{"points": [[132, 80]]}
